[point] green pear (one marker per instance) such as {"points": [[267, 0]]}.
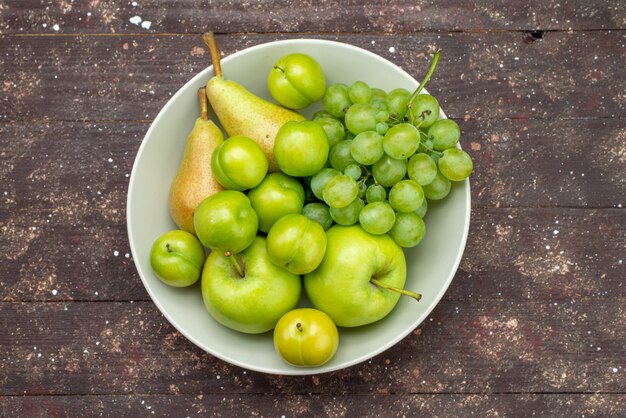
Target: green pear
{"points": [[242, 113], [194, 180]]}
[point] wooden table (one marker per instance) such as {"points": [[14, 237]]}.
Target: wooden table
{"points": [[534, 321]]}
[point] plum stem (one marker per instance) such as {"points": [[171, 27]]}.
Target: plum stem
{"points": [[234, 262], [414, 295], [209, 39], [204, 105]]}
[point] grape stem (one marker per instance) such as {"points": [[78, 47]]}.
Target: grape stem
{"points": [[234, 262], [414, 295], [209, 40], [431, 70], [204, 105]]}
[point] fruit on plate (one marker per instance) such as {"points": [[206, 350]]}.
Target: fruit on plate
{"points": [[194, 180], [296, 243], [246, 291], [276, 196], [177, 258], [306, 337], [360, 278], [242, 113], [226, 221], [296, 81], [239, 163], [301, 148]]}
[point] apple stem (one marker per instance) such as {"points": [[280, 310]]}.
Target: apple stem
{"points": [[235, 263], [209, 39], [204, 105], [414, 295]]}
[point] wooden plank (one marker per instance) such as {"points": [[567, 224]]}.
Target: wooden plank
{"points": [[373, 405], [513, 254], [193, 16], [464, 348], [481, 75]]}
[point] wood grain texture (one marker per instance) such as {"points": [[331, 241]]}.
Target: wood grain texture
{"points": [[196, 16], [465, 347], [480, 76], [376, 405]]}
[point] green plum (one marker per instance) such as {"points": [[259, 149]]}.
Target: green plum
{"points": [[177, 258], [239, 163], [277, 195], [301, 148], [296, 243], [296, 81], [226, 221]]}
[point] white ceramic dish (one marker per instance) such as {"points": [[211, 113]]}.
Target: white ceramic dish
{"points": [[431, 266]]}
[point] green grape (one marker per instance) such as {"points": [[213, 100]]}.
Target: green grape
{"points": [[388, 171], [362, 188], [425, 110], [422, 169], [353, 170], [334, 129], [445, 133], [421, 212], [319, 181], [401, 141], [434, 156], [377, 218], [382, 110], [382, 128], [397, 100], [348, 215], [318, 212], [336, 100], [340, 155], [406, 196], [360, 117], [408, 230], [375, 193], [455, 164], [367, 148], [340, 191], [360, 92], [321, 114], [427, 145], [438, 188], [349, 135], [376, 92]]}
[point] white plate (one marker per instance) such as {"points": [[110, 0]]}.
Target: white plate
{"points": [[431, 266]]}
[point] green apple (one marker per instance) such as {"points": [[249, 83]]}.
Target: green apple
{"points": [[226, 221], [296, 81], [301, 148], [276, 196], [246, 291], [177, 258], [306, 337], [296, 243], [360, 278]]}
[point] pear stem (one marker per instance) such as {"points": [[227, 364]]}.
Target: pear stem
{"points": [[234, 262], [209, 39], [414, 295], [204, 105]]}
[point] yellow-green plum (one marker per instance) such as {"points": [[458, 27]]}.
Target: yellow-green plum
{"points": [[246, 291], [306, 337], [239, 163], [301, 148], [296, 81]]}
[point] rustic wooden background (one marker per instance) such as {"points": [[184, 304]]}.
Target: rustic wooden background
{"points": [[534, 322]]}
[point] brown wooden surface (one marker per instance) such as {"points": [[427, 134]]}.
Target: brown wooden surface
{"points": [[534, 322]]}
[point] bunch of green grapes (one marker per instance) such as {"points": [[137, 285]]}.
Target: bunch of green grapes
{"points": [[390, 154]]}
